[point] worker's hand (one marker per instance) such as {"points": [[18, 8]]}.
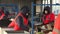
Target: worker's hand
{"points": [[11, 19], [30, 29]]}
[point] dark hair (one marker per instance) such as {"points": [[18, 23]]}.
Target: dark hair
{"points": [[2, 8], [47, 8], [25, 9], [2, 11]]}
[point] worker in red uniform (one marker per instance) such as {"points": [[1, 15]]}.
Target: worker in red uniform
{"points": [[4, 21], [48, 17], [1, 16], [23, 23]]}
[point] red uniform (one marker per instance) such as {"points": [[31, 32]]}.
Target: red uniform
{"points": [[48, 18], [15, 25], [56, 29], [1, 14]]}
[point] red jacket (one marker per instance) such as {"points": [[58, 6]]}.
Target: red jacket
{"points": [[2, 14], [48, 18], [56, 29], [15, 25]]}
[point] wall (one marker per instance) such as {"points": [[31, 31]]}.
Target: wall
{"points": [[55, 8], [38, 8], [24, 2], [20, 3]]}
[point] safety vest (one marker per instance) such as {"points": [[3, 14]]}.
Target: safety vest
{"points": [[16, 26], [56, 29]]}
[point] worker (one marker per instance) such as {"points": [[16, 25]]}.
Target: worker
{"points": [[4, 21], [1, 16], [48, 18], [23, 23], [56, 29]]}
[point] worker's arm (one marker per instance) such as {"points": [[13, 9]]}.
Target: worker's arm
{"points": [[17, 17], [45, 20], [52, 17]]}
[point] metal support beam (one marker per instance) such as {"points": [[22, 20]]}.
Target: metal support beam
{"points": [[41, 5], [52, 4], [32, 22], [8, 5], [12, 5], [46, 4]]}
